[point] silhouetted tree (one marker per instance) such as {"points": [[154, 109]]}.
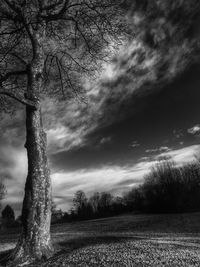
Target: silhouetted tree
{"points": [[8, 216], [94, 201], [118, 205], [105, 203], [80, 204], [134, 199], [2, 191], [46, 47], [105, 199], [99, 205], [167, 188]]}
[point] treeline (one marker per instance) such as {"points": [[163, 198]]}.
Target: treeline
{"points": [[98, 205], [166, 189]]}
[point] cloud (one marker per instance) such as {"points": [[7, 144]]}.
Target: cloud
{"points": [[178, 133], [105, 140], [12, 128], [112, 178], [195, 130], [63, 138], [158, 51], [108, 178], [181, 156], [135, 144], [13, 163], [160, 149], [13, 168]]}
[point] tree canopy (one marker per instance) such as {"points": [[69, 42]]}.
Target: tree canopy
{"points": [[75, 37]]}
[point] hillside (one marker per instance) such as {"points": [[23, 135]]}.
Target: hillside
{"points": [[129, 240]]}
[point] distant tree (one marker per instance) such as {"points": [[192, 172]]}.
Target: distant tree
{"points": [[167, 188], [8, 216], [46, 49], [53, 206], [97, 206], [105, 199], [2, 191], [105, 203], [118, 205], [66, 217], [162, 187], [94, 201], [80, 203], [134, 199]]}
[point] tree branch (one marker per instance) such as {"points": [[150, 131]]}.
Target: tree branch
{"points": [[19, 58], [13, 6], [11, 73], [18, 11], [21, 100], [52, 6], [59, 14], [12, 31]]}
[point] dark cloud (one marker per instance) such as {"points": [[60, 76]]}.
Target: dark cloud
{"points": [[165, 44], [162, 47], [151, 120]]}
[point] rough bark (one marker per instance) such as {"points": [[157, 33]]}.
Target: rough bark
{"points": [[35, 241]]}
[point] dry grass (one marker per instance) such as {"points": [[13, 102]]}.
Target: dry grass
{"points": [[129, 240]]}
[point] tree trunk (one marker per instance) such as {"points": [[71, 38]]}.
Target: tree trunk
{"points": [[35, 241]]}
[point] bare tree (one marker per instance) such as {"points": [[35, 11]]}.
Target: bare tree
{"points": [[2, 191], [45, 48], [79, 201], [94, 201], [105, 200]]}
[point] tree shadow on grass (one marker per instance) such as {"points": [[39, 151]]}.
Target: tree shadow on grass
{"points": [[66, 247], [70, 245]]}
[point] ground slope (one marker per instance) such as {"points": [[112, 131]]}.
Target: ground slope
{"points": [[128, 240]]}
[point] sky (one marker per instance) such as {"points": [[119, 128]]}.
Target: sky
{"points": [[143, 107]]}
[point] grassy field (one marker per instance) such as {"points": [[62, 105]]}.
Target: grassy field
{"points": [[128, 240]]}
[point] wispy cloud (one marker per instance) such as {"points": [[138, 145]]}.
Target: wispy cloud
{"points": [[13, 163], [178, 134], [135, 144], [183, 155], [160, 149], [106, 140], [195, 130], [109, 178]]}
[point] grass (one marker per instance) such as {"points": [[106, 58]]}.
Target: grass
{"points": [[128, 240]]}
